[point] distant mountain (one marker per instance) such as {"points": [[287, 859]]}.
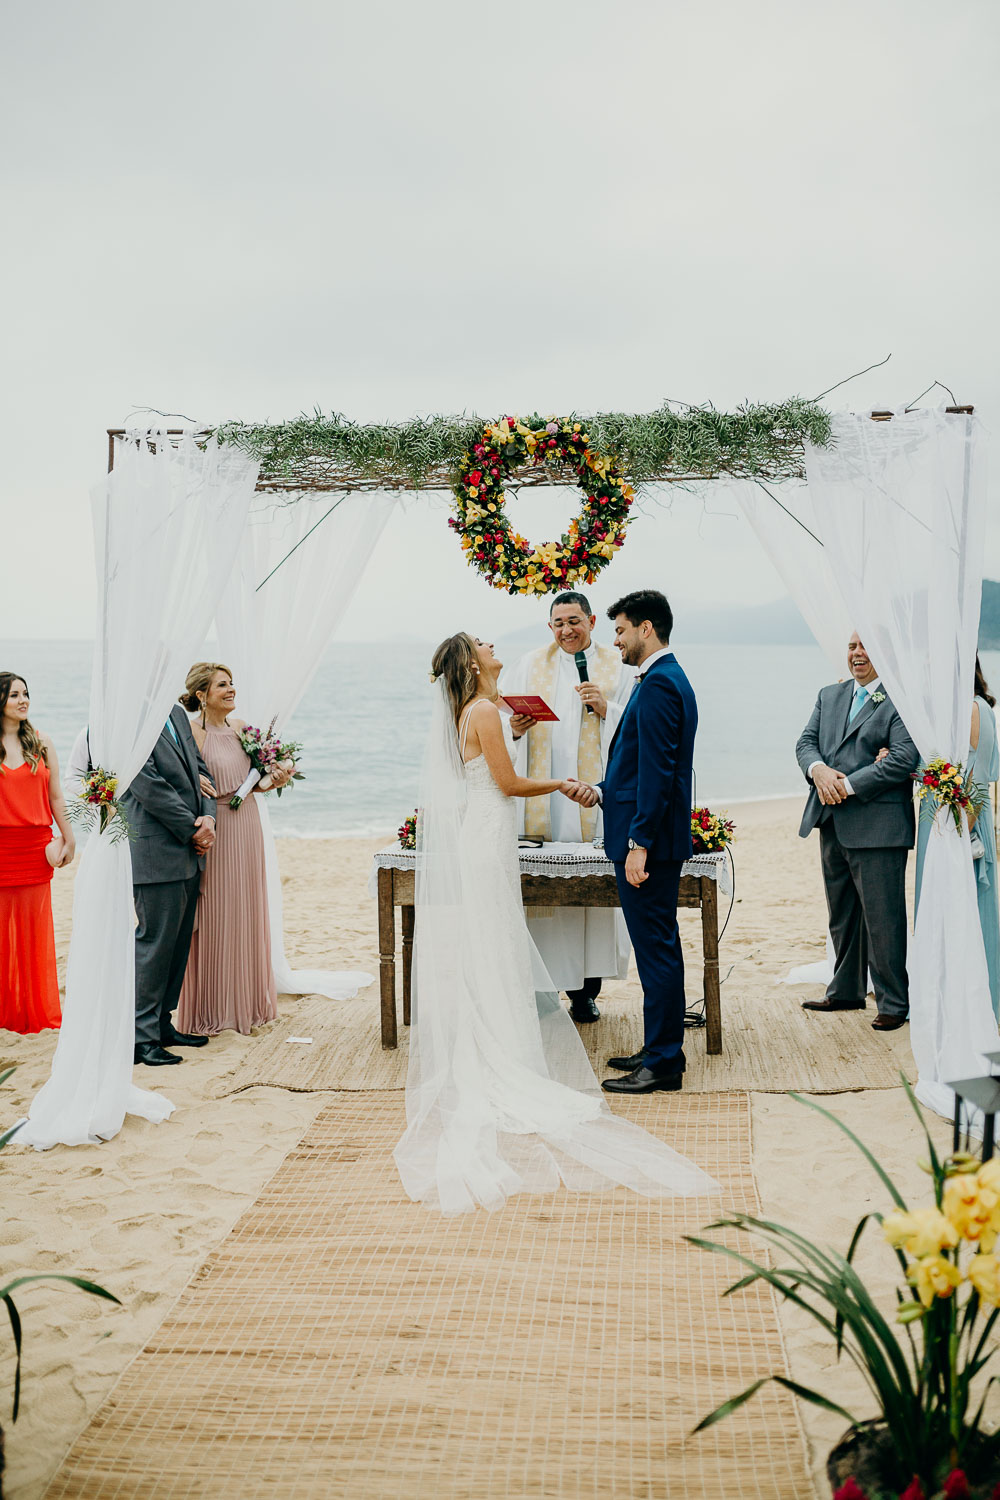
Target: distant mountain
{"points": [[989, 619], [776, 624]]}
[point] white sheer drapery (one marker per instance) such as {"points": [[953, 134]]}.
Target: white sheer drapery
{"points": [[792, 541], [903, 514], [297, 570], [167, 521]]}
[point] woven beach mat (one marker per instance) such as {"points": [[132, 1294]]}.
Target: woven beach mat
{"points": [[343, 1342], [769, 1045]]}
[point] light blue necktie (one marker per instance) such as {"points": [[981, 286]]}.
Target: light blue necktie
{"points": [[859, 702], [173, 732]]}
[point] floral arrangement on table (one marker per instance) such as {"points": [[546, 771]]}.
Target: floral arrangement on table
{"points": [[941, 784], [927, 1440], [710, 831], [267, 753], [96, 803], [407, 831], [507, 560]]}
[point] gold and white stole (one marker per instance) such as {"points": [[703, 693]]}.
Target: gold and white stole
{"points": [[605, 666]]}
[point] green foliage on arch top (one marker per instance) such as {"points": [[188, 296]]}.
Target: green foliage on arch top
{"points": [[330, 452]]}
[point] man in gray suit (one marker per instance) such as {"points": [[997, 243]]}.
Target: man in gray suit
{"points": [[863, 808], [172, 826]]}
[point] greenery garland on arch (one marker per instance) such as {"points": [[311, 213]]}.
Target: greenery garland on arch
{"points": [[676, 446], [507, 560]]}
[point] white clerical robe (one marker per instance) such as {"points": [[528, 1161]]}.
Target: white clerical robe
{"points": [[576, 943]]}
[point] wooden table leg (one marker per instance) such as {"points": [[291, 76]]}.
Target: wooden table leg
{"points": [[387, 958], [710, 947], [408, 920]]}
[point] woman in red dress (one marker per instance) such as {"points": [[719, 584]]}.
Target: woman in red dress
{"points": [[30, 798]]}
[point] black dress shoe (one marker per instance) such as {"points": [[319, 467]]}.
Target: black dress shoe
{"points": [[583, 1009], [889, 1023], [153, 1055], [831, 1005], [643, 1081], [627, 1064], [173, 1038]]}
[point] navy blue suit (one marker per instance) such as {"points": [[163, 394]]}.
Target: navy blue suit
{"points": [[646, 795]]}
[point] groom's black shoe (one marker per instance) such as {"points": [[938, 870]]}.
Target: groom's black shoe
{"points": [[627, 1064], [153, 1055], [173, 1038], [643, 1081], [827, 1005]]}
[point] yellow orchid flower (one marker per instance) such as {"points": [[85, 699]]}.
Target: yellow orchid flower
{"points": [[970, 1208], [921, 1233], [933, 1276], [984, 1273]]}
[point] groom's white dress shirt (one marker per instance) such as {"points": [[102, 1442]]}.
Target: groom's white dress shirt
{"points": [[575, 942]]}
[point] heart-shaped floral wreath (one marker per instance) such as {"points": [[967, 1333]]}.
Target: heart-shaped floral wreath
{"points": [[489, 541]]}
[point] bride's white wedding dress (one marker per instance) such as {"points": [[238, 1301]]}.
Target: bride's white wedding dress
{"points": [[500, 1094]]}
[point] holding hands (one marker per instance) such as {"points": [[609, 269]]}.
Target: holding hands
{"points": [[579, 791], [204, 834]]}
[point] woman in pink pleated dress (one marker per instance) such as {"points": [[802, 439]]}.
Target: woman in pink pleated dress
{"points": [[229, 983]]}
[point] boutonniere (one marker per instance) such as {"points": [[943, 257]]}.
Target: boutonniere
{"points": [[878, 697]]}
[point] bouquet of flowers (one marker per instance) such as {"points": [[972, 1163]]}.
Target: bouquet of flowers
{"points": [[99, 803], [940, 784], [267, 753], [407, 831], [710, 831]]}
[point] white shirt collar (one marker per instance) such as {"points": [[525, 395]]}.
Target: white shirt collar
{"points": [[570, 656], [663, 651], [868, 687]]}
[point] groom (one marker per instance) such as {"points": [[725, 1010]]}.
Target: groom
{"points": [[646, 796]]}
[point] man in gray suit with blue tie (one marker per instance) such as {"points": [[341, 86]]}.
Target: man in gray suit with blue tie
{"points": [[863, 807], [171, 829]]}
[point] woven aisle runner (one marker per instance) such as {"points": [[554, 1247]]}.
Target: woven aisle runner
{"points": [[769, 1045], [344, 1342]]}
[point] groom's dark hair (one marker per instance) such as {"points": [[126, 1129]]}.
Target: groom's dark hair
{"points": [[646, 604], [570, 598]]}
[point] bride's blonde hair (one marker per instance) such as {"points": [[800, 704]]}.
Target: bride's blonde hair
{"points": [[457, 662]]}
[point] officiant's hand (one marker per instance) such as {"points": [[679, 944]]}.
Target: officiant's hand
{"points": [[829, 785], [520, 724], [594, 698]]}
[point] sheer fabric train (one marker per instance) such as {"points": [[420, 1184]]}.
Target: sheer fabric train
{"points": [[500, 1094]]}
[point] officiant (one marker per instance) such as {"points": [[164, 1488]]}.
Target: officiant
{"points": [[587, 686]]}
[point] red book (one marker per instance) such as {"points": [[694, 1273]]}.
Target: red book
{"points": [[532, 707]]}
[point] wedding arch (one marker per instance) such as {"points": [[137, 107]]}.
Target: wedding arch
{"points": [[194, 523]]}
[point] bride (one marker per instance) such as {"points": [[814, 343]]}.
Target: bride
{"points": [[500, 1094]]}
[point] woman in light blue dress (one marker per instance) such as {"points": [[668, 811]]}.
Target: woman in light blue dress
{"points": [[982, 767]]}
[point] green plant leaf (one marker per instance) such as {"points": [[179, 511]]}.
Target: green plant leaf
{"points": [[15, 1328], [803, 1391]]}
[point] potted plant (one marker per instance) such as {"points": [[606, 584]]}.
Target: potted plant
{"points": [[928, 1438]]}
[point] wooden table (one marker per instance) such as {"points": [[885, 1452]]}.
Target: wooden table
{"points": [[395, 887]]}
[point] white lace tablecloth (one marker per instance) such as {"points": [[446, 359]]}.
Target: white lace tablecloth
{"points": [[562, 861]]}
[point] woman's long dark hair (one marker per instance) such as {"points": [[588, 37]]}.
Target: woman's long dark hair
{"points": [[982, 691], [32, 746]]}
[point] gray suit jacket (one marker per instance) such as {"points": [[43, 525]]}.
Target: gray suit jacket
{"points": [[162, 804], [880, 814]]}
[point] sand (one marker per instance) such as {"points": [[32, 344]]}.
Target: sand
{"points": [[142, 1212]]}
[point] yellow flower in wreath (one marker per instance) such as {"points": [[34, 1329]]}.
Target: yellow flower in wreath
{"points": [[933, 1276]]}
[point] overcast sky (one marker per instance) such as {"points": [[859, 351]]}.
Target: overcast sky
{"points": [[245, 210]]}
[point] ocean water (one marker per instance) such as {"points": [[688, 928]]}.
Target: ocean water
{"points": [[365, 716]]}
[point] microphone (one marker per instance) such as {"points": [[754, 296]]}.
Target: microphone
{"points": [[581, 666]]}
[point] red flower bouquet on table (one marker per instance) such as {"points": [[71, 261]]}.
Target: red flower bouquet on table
{"points": [[407, 831], [710, 832], [267, 753]]}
